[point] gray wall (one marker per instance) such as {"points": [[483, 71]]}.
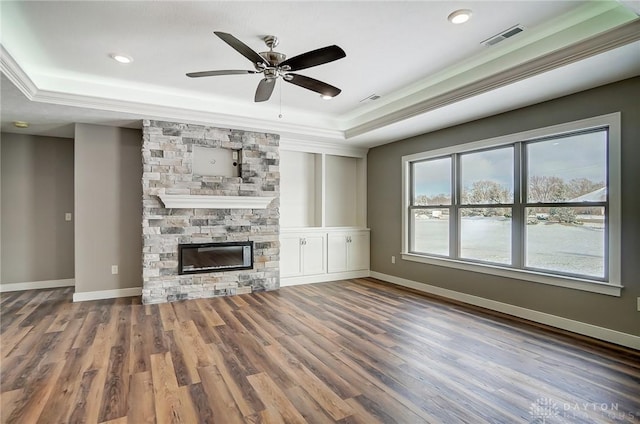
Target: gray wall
{"points": [[108, 189], [37, 191], [385, 209]]}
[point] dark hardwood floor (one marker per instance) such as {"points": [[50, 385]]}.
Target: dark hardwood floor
{"points": [[356, 351]]}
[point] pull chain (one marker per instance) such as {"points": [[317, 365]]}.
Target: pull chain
{"points": [[280, 115]]}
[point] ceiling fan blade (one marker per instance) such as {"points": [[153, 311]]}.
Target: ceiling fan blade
{"points": [[314, 58], [265, 88], [241, 48], [216, 73], [313, 85]]}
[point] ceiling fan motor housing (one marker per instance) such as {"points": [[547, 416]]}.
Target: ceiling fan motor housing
{"points": [[273, 58]]}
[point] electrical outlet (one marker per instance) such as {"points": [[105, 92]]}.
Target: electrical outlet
{"points": [[639, 304], [114, 269], [67, 216], [393, 259]]}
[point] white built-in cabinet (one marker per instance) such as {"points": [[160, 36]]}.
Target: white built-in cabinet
{"points": [[305, 254], [323, 233], [347, 251]]}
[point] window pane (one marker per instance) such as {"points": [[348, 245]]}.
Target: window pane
{"points": [[487, 176], [430, 231], [568, 169], [565, 239], [485, 234], [432, 182]]}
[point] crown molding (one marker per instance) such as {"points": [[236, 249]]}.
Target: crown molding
{"points": [[153, 111], [25, 84], [16, 75], [617, 37], [327, 140], [341, 149]]}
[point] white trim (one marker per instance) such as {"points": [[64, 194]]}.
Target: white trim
{"points": [[187, 201], [601, 333], [520, 274], [612, 120], [107, 294], [189, 115], [616, 37], [321, 278], [334, 130], [614, 285], [306, 146], [16, 74], [37, 285]]}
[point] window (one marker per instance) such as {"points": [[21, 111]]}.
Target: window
{"points": [[541, 205]]}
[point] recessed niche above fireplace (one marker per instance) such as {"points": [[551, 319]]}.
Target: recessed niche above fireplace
{"points": [[217, 161], [198, 258]]}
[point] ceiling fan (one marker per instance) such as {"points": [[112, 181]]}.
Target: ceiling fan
{"points": [[274, 64]]}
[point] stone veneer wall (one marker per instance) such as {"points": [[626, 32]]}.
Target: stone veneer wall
{"points": [[167, 153]]}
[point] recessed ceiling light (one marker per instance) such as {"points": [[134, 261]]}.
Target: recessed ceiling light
{"points": [[20, 124], [121, 58], [326, 97], [459, 16]]}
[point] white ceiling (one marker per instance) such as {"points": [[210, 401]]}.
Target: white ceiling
{"points": [[428, 72]]}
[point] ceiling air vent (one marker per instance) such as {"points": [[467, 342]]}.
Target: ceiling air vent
{"points": [[370, 98], [503, 35]]}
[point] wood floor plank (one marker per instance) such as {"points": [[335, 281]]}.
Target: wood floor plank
{"points": [[87, 404], [308, 407], [31, 407], [220, 399], [115, 395], [9, 402], [67, 385], [320, 392], [184, 362], [348, 352], [169, 403], [168, 315], [272, 395], [141, 400], [243, 394]]}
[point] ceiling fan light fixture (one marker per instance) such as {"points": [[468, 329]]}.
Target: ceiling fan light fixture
{"points": [[460, 16], [121, 58]]}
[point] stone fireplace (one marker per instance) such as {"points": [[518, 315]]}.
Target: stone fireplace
{"points": [[182, 207]]}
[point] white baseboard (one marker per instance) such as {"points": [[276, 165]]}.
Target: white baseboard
{"points": [[107, 294], [601, 333], [321, 278], [37, 285]]}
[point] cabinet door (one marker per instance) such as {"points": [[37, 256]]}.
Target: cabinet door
{"points": [[337, 253], [290, 258], [313, 250], [358, 251]]}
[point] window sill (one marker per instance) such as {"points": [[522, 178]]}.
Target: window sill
{"points": [[536, 277]]}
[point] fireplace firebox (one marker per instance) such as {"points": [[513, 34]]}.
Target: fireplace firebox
{"points": [[214, 257]]}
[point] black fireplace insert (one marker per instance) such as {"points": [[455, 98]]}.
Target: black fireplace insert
{"points": [[214, 257]]}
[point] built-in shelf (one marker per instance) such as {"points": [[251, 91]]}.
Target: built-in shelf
{"points": [[187, 201], [320, 190]]}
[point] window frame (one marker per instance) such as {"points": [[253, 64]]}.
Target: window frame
{"points": [[610, 285]]}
